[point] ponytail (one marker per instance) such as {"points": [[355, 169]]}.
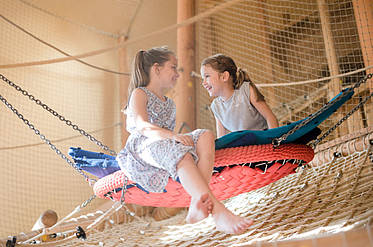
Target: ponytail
{"points": [[241, 77], [141, 64], [139, 76]]}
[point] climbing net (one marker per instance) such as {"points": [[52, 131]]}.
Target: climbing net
{"points": [[299, 53], [331, 197]]}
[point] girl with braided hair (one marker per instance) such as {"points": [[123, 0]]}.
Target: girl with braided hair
{"points": [[238, 104]]}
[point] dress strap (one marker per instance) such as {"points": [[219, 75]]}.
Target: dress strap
{"points": [[147, 91], [150, 94]]}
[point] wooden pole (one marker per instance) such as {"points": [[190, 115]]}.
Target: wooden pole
{"points": [[123, 87], [363, 10], [335, 86], [185, 88]]}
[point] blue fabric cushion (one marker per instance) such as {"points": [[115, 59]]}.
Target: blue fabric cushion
{"points": [[97, 164]]}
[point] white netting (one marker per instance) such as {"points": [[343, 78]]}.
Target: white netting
{"points": [[278, 42]]}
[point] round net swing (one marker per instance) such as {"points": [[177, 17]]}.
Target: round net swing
{"points": [[300, 54]]}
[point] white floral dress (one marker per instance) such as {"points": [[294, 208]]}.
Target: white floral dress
{"points": [[148, 162]]}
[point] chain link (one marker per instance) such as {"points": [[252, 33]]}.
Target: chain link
{"points": [[124, 190], [44, 139], [52, 146], [84, 204], [60, 117], [318, 140], [277, 141]]}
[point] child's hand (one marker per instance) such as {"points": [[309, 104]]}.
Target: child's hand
{"points": [[184, 139]]}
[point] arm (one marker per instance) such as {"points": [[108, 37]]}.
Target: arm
{"points": [[138, 103], [263, 108], [220, 130]]}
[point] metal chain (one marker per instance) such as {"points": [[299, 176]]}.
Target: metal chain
{"points": [[62, 118], [318, 140], [84, 204], [53, 147], [124, 190], [44, 139], [277, 141]]}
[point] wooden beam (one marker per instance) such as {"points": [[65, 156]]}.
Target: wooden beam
{"points": [[363, 10], [185, 88]]}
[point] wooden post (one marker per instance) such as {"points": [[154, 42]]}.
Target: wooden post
{"points": [[123, 87], [185, 88], [363, 10], [335, 86]]}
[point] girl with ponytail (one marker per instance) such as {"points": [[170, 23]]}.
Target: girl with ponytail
{"points": [[238, 104], [154, 152]]}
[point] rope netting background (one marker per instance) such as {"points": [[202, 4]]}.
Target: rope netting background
{"points": [[282, 42], [289, 43]]}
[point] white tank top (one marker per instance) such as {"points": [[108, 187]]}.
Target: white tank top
{"points": [[237, 113]]}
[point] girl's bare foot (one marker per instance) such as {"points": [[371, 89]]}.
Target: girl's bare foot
{"points": [[229, 223], [199, 209]]}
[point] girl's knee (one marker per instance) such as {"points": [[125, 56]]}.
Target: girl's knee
{"points": [[188, 158], [208, 134]]}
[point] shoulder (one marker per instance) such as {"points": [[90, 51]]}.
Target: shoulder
{"points": [[248, 87], [215, 103], [138, 92], [138, 96], [217, 106], [245, 85], [244, 90]]}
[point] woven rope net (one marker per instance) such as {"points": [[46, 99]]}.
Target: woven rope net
{"points": [[334, 195], [300, 53]]}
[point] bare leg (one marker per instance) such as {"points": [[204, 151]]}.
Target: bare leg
{"points": [[204, 202], [201, 204], [206, 154]]}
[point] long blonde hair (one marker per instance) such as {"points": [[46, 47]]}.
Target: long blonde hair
{"points": [[141, 64], [222, 63]]}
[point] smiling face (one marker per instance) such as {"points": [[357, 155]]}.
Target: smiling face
{"points": [[212, 80], [168, 72]]}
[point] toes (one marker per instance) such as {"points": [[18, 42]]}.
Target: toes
{"points": [[205, 197], [249, 222]]}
